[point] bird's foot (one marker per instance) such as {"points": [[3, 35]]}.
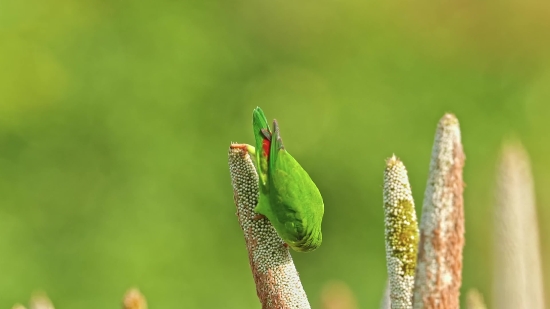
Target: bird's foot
{"points": [[258, 217]]}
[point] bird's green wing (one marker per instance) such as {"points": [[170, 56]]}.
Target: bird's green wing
{"points": [[295, 199]]}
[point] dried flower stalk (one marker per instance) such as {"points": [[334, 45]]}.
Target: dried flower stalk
{"points": [[517, 280], [474, 300], [401, 233], [439, 264], [278, 285], [133, 299]]}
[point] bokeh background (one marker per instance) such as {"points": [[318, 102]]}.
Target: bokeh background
{"points": [[116, 117]]}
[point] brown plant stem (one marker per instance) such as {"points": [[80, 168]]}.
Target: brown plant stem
{"points": [[439, 265], [278, 285]]}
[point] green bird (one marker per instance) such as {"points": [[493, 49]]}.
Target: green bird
{"points": [[288, 197]]}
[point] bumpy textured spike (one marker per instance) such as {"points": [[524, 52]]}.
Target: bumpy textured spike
{"points": [[401, 233], [40, 300], [517, 279], [278, 285], [439, 264], [474, 300], [386, 301], [133, 299]]}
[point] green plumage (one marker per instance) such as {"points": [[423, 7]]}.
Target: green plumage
{"points": [[261, 132], [288, 196]]}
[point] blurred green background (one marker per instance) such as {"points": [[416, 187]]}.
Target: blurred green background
{"points": [[116, 117]]}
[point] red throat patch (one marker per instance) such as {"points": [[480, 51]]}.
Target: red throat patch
{"points": [[266, 145]]}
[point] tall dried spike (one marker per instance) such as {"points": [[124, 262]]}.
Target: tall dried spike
{"points": [[401, 233], [278, 285], [517, 279], [133, 299], [439, 265], [474, 300]]}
